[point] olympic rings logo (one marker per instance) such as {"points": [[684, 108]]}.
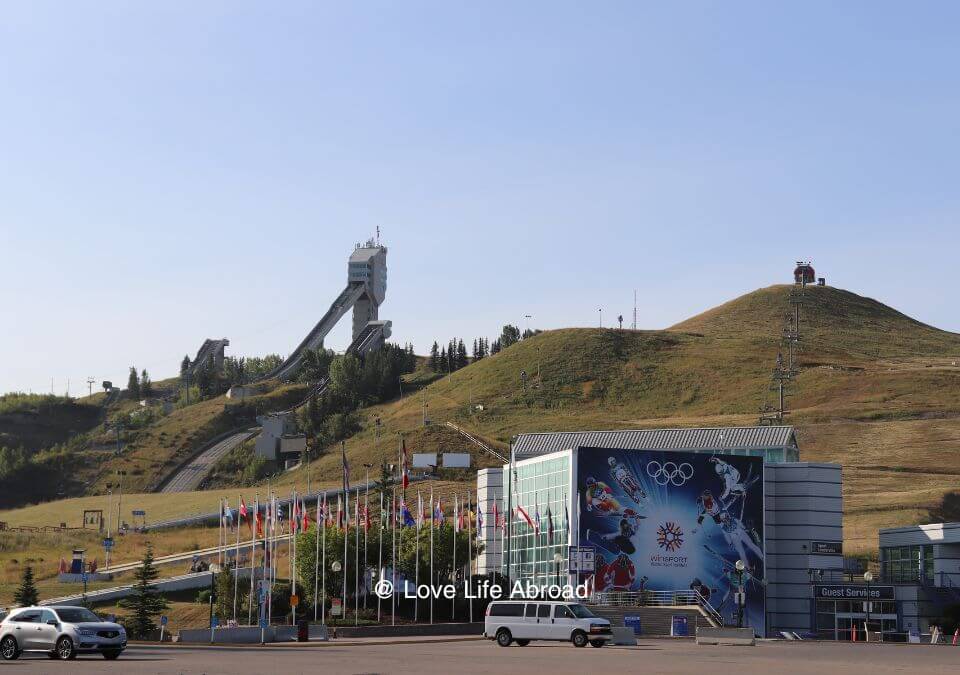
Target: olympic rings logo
{"points": [[669, 473]]}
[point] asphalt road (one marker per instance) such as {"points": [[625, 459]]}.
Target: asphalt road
{"points": [[190, 476], [650, 656]]}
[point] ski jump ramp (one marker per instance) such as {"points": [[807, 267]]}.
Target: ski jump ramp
{"points": [[365, 291]]}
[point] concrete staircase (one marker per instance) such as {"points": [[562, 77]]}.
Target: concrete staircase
{"points": [[653, 620]]}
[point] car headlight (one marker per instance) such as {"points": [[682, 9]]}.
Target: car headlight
{"points": [[86, 631]]}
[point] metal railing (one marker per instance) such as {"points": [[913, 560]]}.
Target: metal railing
{"points": [[678, 598]]}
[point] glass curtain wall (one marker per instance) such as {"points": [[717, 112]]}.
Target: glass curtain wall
{"points": [[542, 488]]}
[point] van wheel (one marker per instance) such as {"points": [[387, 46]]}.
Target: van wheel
{"points": [[65, 650], [9, 649], [596, 643], [504, 638], [579, 638], [523, 643]]}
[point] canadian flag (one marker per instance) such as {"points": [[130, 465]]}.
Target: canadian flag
{"points": [[243, 509], [526, 516]]}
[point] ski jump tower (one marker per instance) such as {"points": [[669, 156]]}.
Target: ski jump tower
{"points": [[365, 291]]}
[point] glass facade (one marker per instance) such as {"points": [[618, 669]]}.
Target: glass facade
{"points": [[542, 487], [836, 619], [906, 563]]}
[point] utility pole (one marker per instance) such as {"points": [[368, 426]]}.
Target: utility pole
{"points": [[90, 381], [634, 309], [601, 316], [423, 395], [109, 521], [527, 318]]}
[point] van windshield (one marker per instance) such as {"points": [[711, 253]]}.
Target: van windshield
{"points": [[581, 612]]}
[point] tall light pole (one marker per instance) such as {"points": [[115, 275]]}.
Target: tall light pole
{"points": [[868, 577], [557, 559], [601, 316], [90, 381], [121, 474], [109, 521], [527, 318]]}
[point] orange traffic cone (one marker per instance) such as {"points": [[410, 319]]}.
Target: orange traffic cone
{"points": [[853, 632], [956, 634]]}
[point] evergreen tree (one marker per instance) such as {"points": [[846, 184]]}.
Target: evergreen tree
{"points": [[476, 350], [133, 384], [510, 335], [495, 347], [145, 603], [461, 355], [26, 595], [435, 357], [146, 385], [206, 380], [444, 363], [184, 365]]}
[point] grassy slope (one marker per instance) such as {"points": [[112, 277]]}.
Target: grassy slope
{"points": [[877, 392]]}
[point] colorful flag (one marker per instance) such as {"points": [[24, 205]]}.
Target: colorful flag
{"points": [[421, 516], [258, 521], [549, 525], [536, 517], [457, 519], [521, 512], [438, 514], [479, 521], [243, 510], [406, 518], [496, 515]]}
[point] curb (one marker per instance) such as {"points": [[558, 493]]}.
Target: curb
{"points": [[303, 645]]}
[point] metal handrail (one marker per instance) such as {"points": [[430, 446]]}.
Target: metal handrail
{"points": [[678, 598]]}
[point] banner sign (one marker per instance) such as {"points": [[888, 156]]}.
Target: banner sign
{"points": [[826, 547], [670, 520], [582, 559], [679, 626], [853, 592]]}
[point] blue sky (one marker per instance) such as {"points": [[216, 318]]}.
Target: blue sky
{"points": [[188, 170]]}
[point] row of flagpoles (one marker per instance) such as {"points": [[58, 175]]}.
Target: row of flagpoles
{"points": [[268, 528]]}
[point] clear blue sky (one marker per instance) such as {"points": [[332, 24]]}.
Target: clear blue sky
{"points": [[187, 170]]}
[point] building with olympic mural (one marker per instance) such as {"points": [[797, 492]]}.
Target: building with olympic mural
{"points": [[667, 510]]}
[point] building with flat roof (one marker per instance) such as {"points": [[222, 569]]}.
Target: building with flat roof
{"points": [[669, 510]]}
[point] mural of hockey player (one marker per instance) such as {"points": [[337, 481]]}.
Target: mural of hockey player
{"points": [[620, 541], [626, 480], [599, 498], [618, 575], [734, 533]]}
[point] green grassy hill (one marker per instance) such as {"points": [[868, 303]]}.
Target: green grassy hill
{"points": [[876, 391]]}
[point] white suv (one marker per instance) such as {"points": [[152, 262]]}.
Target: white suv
{"points": [[523, 621], [61, 632]]}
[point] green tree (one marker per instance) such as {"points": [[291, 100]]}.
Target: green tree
{"points": [[345, 374], [26, 595], [146, 385], [510, 335], [184, 365], [435, 357], [146, 603], [133, 384]]}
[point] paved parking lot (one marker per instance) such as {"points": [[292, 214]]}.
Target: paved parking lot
{"points": [[650, 656]]}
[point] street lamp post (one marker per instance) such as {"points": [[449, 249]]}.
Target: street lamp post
{"points": [[740, 598], [557, 559], [868, 577], [336, 567]]}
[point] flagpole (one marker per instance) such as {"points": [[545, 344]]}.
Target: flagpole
{"points": [[469, 554], [316, 561], [366, 521], [220, 536], [253, 556], [456, 527], [356, 564], [380, 555], [236, 563], [346, 538], [323, 564], [416, 564], [393, 558], [433, 521], [294, 526]]}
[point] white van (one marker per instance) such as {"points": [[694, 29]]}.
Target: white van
{"points": [[518, 621]]}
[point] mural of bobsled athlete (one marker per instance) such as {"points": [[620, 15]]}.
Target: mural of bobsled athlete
{"points": [[599, 497], [620, 541], [626, 480]]}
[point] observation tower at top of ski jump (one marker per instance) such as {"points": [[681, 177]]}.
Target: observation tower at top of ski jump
{"points": [[365, 291]]}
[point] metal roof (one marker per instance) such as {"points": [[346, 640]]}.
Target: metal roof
{"points": [[715, 438]]}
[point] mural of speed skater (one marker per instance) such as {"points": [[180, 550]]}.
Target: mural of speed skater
{"points": [[600, 497], [626, 480]]}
